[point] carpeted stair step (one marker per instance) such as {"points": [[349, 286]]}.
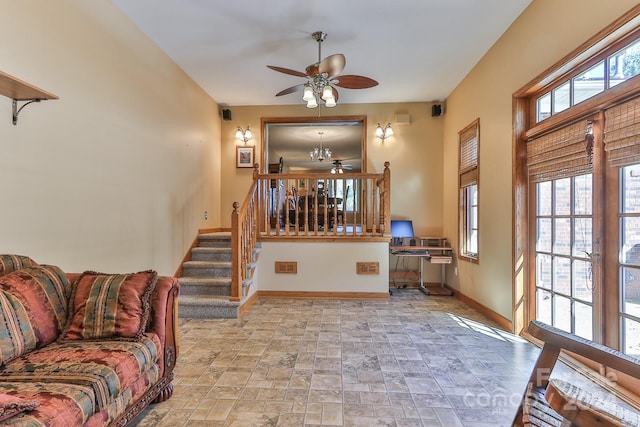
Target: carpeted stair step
{"points": [[205, 287], [210, 269], [208, 253], [195, 307], [215, 240]]}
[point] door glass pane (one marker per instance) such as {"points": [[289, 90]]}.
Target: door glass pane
{"points": [[589, 83], [630, 177], [543, 271], [544, 198], [543, 244], [582, 229], [631, 331], [543, 306], [582, 195], [629, 259], [562, 196], [563, 272], [631, 291], [582, 281], [562, 241], [562, 275], [584, 320], [562, 313]]}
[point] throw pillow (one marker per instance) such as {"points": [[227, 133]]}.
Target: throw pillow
{"points": [[33, 309], [16, 331], [110, 306], [9, 263], [13, 405]]}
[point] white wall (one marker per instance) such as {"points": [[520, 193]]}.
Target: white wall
{"points": [[324, 267], [116, 174]]}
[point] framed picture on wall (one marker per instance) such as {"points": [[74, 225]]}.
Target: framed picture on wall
{"points": [[244, 156]]}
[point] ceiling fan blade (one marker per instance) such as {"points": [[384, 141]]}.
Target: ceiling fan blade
{"points": [[287, 71], [291, 89], [332, 65], [354, 82], [335, 93]]}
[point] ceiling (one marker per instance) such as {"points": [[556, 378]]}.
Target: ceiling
{"points": [[418, 50]]}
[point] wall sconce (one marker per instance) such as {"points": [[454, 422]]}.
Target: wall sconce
{"points": [[243, 135], [384, 133]]}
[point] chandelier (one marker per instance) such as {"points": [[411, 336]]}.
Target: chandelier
{"points": [[320, 154]]}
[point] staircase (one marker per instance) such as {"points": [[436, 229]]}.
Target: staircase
{"points": [[205, 285]]}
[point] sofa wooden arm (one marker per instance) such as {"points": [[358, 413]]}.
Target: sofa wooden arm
{"points": [[558, 403]]}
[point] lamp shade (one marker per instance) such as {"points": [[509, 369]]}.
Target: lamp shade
{"points": [[308, 94], [327, 93]]}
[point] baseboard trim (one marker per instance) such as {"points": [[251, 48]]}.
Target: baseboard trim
{"points": [[324, 295], [500, 320], [247, 305]]}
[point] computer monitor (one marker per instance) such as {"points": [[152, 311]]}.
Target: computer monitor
{"points": [[400, 230]]}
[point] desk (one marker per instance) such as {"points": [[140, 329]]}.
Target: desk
{"points": [[433, 254]]}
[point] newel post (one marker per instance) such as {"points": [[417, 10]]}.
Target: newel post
{"points": [[387, 199], [236, 268]]}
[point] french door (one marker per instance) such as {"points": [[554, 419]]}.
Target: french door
{"points": [[564, 281], [585, 230]]}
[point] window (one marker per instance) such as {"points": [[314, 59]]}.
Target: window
{"points": [[469, 140], [621, 65], [577, 198]]}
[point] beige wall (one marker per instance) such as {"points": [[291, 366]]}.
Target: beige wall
{"points": [[547, 31], [116, 175], [414, 152]]}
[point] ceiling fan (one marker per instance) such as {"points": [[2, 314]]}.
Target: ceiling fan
{"points": [[323, 77], [338, 167]]}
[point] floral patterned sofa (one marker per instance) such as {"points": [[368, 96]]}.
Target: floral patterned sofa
{"points": [[83, 349]]}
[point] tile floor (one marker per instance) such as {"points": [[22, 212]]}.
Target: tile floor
{"points": [[414, 360]]}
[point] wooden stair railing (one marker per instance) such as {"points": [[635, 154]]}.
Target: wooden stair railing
{"points": [[244, 235], [307, 205], [266, 205]]}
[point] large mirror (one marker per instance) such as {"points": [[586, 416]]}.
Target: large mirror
{"points": [[288, 141]]}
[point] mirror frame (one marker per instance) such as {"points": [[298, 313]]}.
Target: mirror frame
{"points": [[264, 121]]}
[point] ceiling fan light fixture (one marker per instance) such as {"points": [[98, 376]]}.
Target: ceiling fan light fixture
{"points": [[327, 93], [308, 94], [331, 102], [312, 103]]}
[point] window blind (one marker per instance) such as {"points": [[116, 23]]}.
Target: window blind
{"points": [[468, 167], [562, 153], [622, 133]]}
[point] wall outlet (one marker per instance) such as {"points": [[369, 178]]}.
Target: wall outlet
{"points": [[206, 215], [455, 271]]}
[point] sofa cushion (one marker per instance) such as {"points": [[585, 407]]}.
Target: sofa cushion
{"points": [[110, 306], [103, 370], [13, 405], [9, 263], [61, 405], [33, 309]]}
